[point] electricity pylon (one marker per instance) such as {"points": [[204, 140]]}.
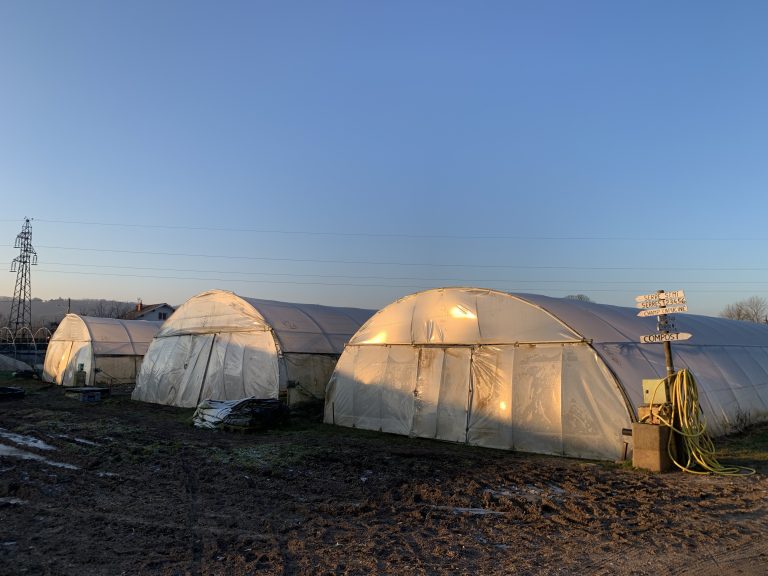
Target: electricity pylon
{"points": [[21, 305]]}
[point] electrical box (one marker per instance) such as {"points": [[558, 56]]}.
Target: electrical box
{"points": [[80, 377], [654, 389]]}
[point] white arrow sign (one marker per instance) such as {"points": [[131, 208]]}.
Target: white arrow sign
{"points": [[664, 337], [660, 296], [660, 311]]}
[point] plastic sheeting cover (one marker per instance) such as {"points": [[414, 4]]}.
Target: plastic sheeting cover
{"points": [[303, 328], [461, 316]]}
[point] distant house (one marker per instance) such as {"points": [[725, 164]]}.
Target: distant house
{"points": [[150, 312]]}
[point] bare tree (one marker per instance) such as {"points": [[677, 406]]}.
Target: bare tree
{"points": [[100, 310], [580, 297], [120, 309], [106, 309], [753, 309]]}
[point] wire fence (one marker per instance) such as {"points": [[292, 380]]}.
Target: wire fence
{"points": [[24, 346]]}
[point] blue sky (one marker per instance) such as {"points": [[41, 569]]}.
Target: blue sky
{"points": [[349, 153]]}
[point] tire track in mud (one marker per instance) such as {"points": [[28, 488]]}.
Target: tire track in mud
{"points": [[281, 535], [742, 559], [191, 483], [748, 558]]}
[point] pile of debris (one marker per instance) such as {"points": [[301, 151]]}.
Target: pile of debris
{"points": [[247, 414]]}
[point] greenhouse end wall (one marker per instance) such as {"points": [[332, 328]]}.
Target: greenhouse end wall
{"points": [[545, 398]]}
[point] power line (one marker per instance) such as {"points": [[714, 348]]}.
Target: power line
{"points": [[231, 280], [420, 264], [346, 284], [403, 278], [342, 234]]}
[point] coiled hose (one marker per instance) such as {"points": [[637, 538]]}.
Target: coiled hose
{"points": [[683, 417]]}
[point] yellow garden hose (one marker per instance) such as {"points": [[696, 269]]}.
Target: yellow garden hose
{"points": [[684, 418]]}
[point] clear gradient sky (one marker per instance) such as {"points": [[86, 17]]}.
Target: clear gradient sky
{"points": [[353, 152]]}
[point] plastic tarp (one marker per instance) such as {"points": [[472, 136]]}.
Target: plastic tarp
{"points": [[211, 414], [534, 373], [222, 346], [110, 349], [244, 414], [9, 363]]}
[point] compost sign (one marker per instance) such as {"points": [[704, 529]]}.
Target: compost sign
{"points": [[664, 337]]}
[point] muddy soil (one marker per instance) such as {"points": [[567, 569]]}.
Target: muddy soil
{"points": [[121, 487]]}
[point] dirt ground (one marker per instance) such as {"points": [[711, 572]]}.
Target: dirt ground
{"points": [[122, 487]]}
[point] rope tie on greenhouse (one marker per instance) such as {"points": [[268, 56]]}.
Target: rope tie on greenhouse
{"points": [[683, 416]]}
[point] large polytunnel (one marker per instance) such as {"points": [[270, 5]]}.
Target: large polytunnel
{"points": [[221, 346], [108, 350], [533, 373]]}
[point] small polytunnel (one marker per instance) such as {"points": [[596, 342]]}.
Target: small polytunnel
{"points": [[108, 350]]}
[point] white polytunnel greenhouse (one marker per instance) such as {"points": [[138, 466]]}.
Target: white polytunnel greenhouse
{"points": [[110, 350], [533, 373], [221, 346]]}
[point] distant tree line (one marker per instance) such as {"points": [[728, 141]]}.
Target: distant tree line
{"points": [[753, 309], [107, 309], [48, 313]]}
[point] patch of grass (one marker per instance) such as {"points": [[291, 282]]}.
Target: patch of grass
{"points": [[751, 445], [147, 451], [183, 415], [29, 384], [266, 455], [619, 465], [52, 421], [159, 411]]}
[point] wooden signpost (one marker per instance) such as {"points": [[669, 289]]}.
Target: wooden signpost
{"points": [[662, 304], [650, 441]]}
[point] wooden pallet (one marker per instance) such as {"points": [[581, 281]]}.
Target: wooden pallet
{"points": [[87, 393]]}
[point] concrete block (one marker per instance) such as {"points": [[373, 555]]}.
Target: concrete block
{"points": [[649, 447]]}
